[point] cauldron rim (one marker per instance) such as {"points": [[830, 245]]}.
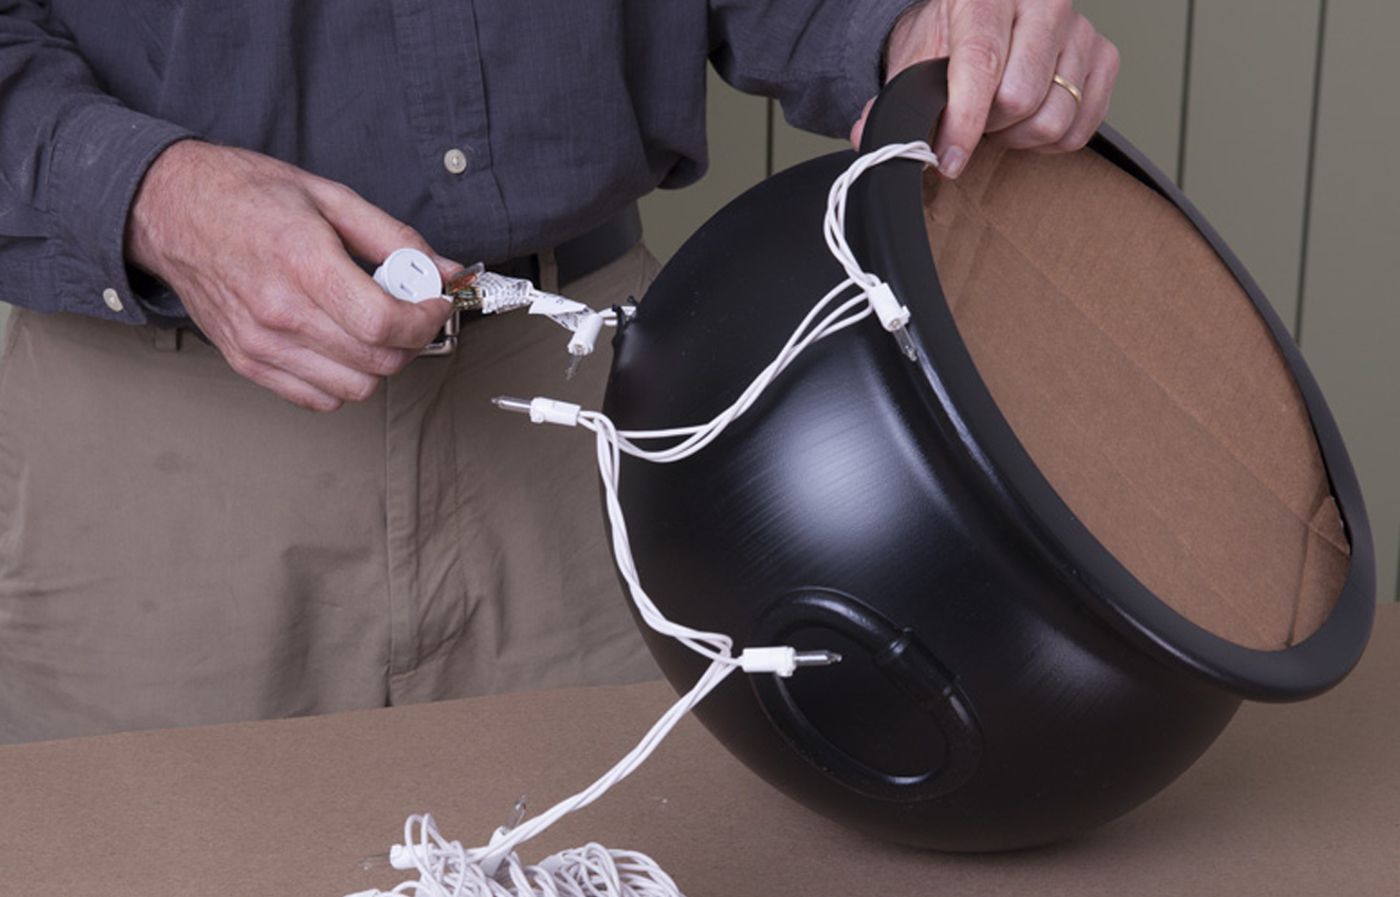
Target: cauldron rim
{"points": [[887, 231]]}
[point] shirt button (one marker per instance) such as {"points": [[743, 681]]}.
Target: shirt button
{"points": [[454, 160], [114, 302]]}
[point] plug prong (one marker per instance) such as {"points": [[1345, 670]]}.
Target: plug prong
{"points": [[517, 814], [376, 862], [906, 343], [511, 403], [816, 658]]}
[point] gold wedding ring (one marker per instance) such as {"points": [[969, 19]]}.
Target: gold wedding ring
{"points": [[1069, 85]]}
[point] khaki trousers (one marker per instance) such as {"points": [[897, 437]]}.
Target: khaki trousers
{"points": [[179, 546]]}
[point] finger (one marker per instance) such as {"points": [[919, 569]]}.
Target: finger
{"points": [[287, 386], [1098, 91], [265, 351], [376, 361], [360, 308], [296, 391], [368, 231], [327, 375], [1058, 112], [276, 342], [322, 334], [979, 37], [285, 311], [858, 129], [1040, 34]]}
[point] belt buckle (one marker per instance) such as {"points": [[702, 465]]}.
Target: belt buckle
{"points": [[462, 290], [446, 342]]}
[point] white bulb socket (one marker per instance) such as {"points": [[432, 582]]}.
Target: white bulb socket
{"points": [[586, 336], [892, 313]]}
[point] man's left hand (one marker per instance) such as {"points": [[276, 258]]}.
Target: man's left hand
{"points": [[1004, 56]]}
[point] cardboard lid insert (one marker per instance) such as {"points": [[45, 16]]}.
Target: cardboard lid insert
{"points": [[1141, 380]]}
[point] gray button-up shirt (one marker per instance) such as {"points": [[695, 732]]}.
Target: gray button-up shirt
{"points": [[495, 127]]}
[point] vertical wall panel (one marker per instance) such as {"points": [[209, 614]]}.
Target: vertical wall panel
{"points": [[791, 146], [1351, 293], [1248, 124], [1147, 105], [1152, 40], [738, 140]]}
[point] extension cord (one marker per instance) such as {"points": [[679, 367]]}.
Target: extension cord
{"points": [[446, 868]]}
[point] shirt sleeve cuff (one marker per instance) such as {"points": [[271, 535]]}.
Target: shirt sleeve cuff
{"points": [[866, 36], [102, 153]]}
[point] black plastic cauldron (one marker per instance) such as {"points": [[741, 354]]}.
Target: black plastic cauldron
{"points": [[1006, 681]]}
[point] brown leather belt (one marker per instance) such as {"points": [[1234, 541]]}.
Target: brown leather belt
{"points": [[555, 269]]}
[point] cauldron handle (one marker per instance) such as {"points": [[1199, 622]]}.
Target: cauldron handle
{"points": [[909, 666], [908, 107]]}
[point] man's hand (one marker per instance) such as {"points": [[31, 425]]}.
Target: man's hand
{"points": [[1003, 59], [257, 251]]}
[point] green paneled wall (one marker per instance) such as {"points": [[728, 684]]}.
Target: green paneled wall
{"points": [[1152, 42], [738, 146], [1248, 129], [1351, 284]]}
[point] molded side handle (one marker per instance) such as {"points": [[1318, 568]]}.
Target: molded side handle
{"points": [[909, 666]]}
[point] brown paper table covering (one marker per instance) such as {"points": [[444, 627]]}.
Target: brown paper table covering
{"points": [[1294, 799]]}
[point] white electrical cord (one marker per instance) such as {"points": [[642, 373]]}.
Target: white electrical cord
{"points": [[446, 868]]}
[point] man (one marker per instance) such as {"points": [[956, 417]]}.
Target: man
{"points": [[187, 184]]}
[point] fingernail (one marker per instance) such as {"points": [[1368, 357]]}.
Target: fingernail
{"points": [[447, 264], [952, 163]]}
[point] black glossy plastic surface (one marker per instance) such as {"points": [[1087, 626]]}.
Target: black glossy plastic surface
{"points": [[1007, 683]]}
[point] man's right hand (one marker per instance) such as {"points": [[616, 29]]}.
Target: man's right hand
{"points": [[258, 251]]}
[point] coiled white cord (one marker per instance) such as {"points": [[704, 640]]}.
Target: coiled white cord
{"points": [[447, 869]]}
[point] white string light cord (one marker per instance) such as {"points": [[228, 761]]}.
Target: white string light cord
{"points": [[446, 868]]}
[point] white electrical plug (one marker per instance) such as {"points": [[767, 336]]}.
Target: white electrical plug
{"points": [[542, 410], [784, 660], [409, 275]]}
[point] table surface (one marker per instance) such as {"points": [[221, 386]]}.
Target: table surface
{"points": [[1294, 799]]}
